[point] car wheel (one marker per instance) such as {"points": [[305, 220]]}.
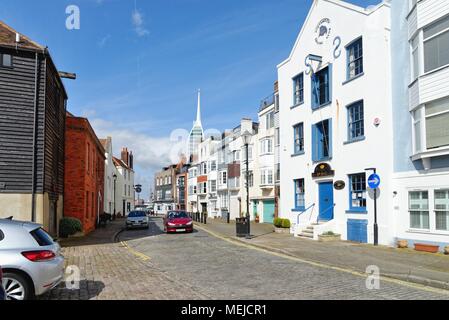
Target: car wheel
{"points": [[17, 287]]}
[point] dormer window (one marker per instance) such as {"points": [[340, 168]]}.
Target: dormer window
{"points": [[6, 60]]}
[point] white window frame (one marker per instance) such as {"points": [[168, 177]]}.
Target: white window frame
{"points": [[432, 211], [422, 41]]}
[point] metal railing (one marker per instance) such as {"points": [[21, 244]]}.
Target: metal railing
{"points": [[328, 209], [266, 102], [302, 212]]}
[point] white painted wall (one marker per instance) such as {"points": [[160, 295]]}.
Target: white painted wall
{"points": [[373, 87]]}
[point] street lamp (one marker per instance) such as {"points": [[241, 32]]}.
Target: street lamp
{"points": [[246, 137], [115, 181]]}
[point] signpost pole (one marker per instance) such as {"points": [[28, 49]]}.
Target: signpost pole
{"points": [[376, 227], [374, 185]]}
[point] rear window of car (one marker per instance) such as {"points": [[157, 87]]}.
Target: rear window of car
{"points": [[42, 237], [136, 214]]}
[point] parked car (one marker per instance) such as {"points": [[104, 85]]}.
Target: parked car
{"points": [[31, 260], [178, 221], [2, 290], [137, 219]]}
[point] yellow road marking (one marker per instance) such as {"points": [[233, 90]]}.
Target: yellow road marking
{"points": [[325, 266], [138, 254]]}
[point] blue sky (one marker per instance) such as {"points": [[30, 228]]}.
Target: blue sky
{"points": [[140, 62]]}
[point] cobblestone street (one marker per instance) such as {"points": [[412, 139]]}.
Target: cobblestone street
{"points": [[111, 271], [148, 264]]}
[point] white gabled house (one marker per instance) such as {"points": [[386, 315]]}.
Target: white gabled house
{"points": [[335, 122]]}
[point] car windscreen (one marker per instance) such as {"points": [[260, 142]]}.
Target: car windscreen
{"points": [[42, 237], [177, 215], [136, 214]]}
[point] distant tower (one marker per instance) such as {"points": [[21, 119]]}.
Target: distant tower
{"points": [[197, 134]]}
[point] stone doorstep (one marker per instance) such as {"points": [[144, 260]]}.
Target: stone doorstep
{"points": [[404, 277]]}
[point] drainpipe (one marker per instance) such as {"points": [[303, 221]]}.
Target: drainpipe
{"points": [[35, 126]]}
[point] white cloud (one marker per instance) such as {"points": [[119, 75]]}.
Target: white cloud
{"points": [[139, 23], [103, 41], [151, 154]]}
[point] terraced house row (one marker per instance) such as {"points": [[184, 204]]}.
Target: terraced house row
{"points": [[363, 90]]}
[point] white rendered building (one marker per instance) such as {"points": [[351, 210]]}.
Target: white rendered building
{"points": [[420, 69], [335, 122]]}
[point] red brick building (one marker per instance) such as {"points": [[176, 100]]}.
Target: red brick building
{"points": [[84, 173]]}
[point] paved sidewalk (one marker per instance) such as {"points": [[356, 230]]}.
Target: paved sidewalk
{"points": [[404, 264]]}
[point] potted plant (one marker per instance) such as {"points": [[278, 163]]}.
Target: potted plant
{"points": [[329, 236], [257, 218], [402, 244], [426, 247], [282, 225]]}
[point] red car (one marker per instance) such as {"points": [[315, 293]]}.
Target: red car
{"points": [[178, 221]]}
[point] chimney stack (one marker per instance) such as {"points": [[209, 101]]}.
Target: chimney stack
{"points": [[131, 160], [125, 156]]}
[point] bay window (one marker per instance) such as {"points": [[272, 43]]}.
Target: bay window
{"points": [[437, 120], [415, 57], [266, 146], [266, 177], [436, 45]]}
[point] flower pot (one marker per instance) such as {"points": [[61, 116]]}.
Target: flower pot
{"points": [[426, 248], [329, 238], [446, 250], [402, 244], [282, 230]]}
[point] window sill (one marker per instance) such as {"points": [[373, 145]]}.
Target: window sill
{"points": [[298, 154], [298, 209], [431, 153], [358, 139], [321, 160], [353, 78], [321, 106], [354, 211], [296, 105]]}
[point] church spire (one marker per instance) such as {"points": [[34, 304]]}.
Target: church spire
{"points": [[198, 111]]}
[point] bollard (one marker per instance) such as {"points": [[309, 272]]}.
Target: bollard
{"points": [[205, 218]]}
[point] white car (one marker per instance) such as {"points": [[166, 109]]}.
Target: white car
{"points": [[137, 219], [31, 260]]}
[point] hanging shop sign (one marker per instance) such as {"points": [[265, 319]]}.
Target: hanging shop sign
{"points": [[339, 185]]}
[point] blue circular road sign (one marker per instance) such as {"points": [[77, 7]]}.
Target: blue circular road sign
{"points": [[374, 181]]}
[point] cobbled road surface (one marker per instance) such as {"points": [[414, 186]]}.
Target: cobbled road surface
{"points": [[213, 268]]}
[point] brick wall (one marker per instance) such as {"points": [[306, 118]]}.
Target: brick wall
{"points": [[84, 173]]}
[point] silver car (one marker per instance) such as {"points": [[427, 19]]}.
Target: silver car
{"points": [[31, 260], [137, 219]]}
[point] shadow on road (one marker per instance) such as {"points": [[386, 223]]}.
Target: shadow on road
{"points": [[87, 290]]}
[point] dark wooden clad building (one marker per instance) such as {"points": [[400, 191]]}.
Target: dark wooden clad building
{"points": [[32, 126]]}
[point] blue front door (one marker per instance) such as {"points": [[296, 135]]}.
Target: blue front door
{"points": [[268, 211], [326, 194]]}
